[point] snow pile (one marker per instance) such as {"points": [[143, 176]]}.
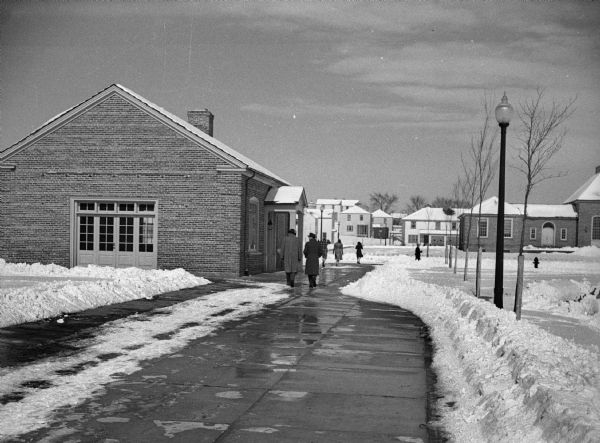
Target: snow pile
{"points": [[60, 290], [502, 379], [567, 297]]}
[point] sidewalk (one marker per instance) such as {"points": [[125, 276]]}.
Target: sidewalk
{"points": [[319, 367]]}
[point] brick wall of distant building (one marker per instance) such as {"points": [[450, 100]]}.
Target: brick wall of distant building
{"points": [[586, 210], [116, 150], [512, 244]]}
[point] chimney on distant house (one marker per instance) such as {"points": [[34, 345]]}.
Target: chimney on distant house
{"points": [[202, 119]]}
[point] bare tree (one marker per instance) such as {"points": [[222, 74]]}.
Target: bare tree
{"points": [[479, 169], [541, 136], [416, 202], [385, 202]]}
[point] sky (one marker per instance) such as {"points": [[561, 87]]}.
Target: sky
{"points": [[344, 98]]}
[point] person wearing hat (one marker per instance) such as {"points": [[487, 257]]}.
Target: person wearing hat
{"points": [[312, 252], [291, 254]]}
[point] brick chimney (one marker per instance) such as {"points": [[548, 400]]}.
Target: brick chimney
{"points": [[202, 119]]}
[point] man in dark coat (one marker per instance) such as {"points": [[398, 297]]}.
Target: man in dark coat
{"points": [[292, 256], [312, 252]]}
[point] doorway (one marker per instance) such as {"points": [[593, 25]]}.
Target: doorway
{"points": [[548, 235]]}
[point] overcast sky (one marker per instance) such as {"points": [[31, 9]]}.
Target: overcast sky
{"points": [[343, 98]]}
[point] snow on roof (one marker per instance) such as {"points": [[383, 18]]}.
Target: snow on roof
{"points": [[590, 190], [381, 213], [548, 211], [355, 210], [490, 207], [286, 195], [196, 131], [429, 213]]}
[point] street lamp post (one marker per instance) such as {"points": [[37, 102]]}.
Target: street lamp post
{"points": [[504, 112]]}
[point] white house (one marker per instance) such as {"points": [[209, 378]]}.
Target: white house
{"points": [[332, 210], [431, 226], [355, 222]]}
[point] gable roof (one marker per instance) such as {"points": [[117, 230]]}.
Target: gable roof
{"points": [[336, 201], [429, 213], [590, 190], [490, 206], [355, 210], [381, 213], [228, 154], [286, 195]]}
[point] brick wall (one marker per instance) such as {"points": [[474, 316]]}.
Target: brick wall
{"points": [[512, 244], [115, 150], [586, 210]]}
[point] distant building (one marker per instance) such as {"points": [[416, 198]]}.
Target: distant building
{"points": [[431, 226], [356, 222], [381, 224], [576, 223]]}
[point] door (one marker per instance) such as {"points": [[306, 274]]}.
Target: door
{"points": [[548, 235], [282, 225], [116, 234]]}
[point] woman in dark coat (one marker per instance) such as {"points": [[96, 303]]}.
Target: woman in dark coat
{"points": [[338, 251], [312, 252], [359, 254]]}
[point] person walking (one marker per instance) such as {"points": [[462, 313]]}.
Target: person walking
{"points": [[338, 251], [323, 244], [312, 252], [359, 253], [417, 253], [292, 256]]}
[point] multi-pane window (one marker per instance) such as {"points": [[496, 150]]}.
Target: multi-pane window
{"points": [[126, 234], [596, 228], [412, 238], [348, 217], [508, 228], [146, 239], [349, 228], [106, 207], [453, 226], [126, 207], [107, 226], [87, 206], [361, 217], [413, 225], [563, 233], [438, 225], [532, 233], [482, 227], [86, 233], [253, 224]]}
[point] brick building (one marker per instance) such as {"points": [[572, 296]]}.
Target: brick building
{"points": [[119, 181]]}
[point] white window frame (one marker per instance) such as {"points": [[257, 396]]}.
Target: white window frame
{"points": [[595, 233], [253, 224], [510, 235], [350, 228], [487, 227], [532, 233], [563, 234]]}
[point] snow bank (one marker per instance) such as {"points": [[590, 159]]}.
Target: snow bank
{"points": [[60, 290], [502, 379]]}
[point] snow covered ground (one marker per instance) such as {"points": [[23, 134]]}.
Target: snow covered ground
{"points": [[502, 379]]}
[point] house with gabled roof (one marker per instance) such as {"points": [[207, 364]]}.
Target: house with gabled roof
{"points": [[547, 226], [355, 221], [431, 226], [117, 180]]}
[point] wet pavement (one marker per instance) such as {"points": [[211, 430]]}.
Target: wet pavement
{"points": [[317, 367]]}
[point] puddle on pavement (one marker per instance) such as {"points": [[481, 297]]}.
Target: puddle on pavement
{"points": [[222, 313], [12, 397], [109, 356]]}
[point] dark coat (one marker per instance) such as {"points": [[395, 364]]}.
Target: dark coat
{"points": [[359, 248], [291, 253], [338, 250], [312, 252]]}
